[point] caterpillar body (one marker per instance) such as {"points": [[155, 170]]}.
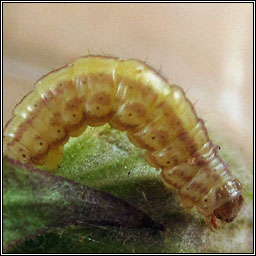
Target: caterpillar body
{"points": [[130, 96]]}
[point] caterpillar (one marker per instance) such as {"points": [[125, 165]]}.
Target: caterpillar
{"points": [[130, 96]]}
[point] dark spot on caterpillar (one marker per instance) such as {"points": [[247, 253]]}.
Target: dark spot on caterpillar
{"points": [[130, 114], [41, 143], [192, 149], [153, 138], [203, 191], [183, 136], [57, 114]]}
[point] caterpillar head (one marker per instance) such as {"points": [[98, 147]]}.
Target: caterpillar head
{"points": [[228, 211]]}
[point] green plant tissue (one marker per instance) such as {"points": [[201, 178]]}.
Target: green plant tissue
{"points": [[105, 160]]}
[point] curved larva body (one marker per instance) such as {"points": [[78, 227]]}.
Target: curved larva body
{"points": [[130, 96]]}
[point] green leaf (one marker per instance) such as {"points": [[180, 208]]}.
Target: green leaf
{"points": [[35, 201], [104, 159]]}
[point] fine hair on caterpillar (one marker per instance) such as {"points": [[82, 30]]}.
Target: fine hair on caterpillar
{"points": [[133, 97]]}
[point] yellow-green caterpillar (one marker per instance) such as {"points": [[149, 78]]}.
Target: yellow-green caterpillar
{"points": [[130, 96]]}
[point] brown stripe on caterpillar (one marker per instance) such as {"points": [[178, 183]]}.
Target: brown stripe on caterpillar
{"points": [[129, 95]]}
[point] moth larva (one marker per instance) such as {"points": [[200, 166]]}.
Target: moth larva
{"points": [[130, 96]]}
